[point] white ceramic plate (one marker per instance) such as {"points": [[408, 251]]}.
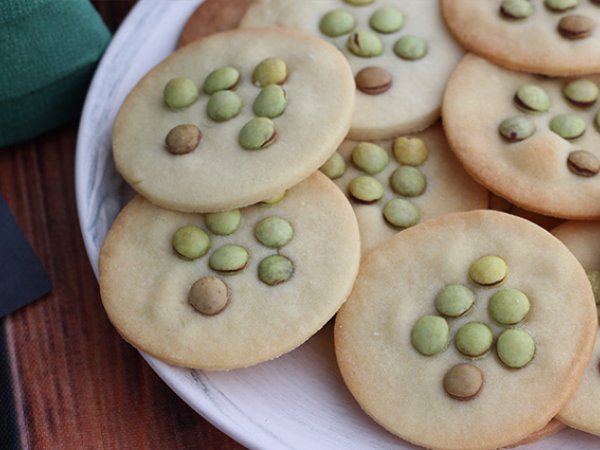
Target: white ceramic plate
{"points": [[297, 401]]}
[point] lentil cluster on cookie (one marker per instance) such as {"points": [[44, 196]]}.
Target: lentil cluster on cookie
{"points": [[452, 319], [400, 53], [535, 141], [551, 37], [230, 120], [395, 184]]}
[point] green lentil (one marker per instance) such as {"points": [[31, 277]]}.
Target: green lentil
{"points": [[411, 48], [408, 181], [370, 158], [334, 167], [561, 5], [223, 106], [581, 92], [270, 71], [365, 44], [229, 258], [508, 306], [275, 269], [401, 213], [180, 93], [258, 133], [387, 20], [366, 189], [429, 335], [274, 232], [532, 98], [410, 151], [270, 102], [337, 23], [221, 79], [516, 9], [515, 348], [191, 242], [454, 300], [474, 339], [516, 128], [223, 223], [568, 126], [488, 271]]}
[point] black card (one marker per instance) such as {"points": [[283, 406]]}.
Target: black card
{"points": [[22, 277]]}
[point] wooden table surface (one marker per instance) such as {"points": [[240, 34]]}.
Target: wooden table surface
{"points": [[75, 383]]}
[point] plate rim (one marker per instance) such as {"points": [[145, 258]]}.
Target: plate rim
{"points": [[177, 379]]}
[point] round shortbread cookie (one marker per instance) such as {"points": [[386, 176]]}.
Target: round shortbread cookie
{"points": [[220, 174], [145, 284], [583, 410], [413, 99], [397, 285], [448, 187], [532, 44], [532, 173], [213, 16]]}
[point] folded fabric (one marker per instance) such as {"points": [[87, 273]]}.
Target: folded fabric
{"points": [[49, 51], [22, 277]]}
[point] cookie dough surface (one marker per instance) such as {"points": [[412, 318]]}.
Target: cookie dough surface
{"points": [[532, 44], [144, 284], [531, 173], [219, 174], [397, 284], [413, 101], [583, 410], [449, 187]]}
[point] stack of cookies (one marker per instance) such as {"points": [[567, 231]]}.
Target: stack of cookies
{"points": [[521, 114], [290, 165]]}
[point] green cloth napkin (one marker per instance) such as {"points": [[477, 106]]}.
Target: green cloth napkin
{"points": [[48, 54]]}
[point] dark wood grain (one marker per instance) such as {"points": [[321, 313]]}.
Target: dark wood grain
{"points": [[77, 384]]}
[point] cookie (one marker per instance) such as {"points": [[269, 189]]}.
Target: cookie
{"points": [[400, 52], [420, 343], [416, 178], [551, 428], [213, 16], [583, 410], [229, 290], [499, 204], [552, 37], [263, 110], [534, 141]]}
